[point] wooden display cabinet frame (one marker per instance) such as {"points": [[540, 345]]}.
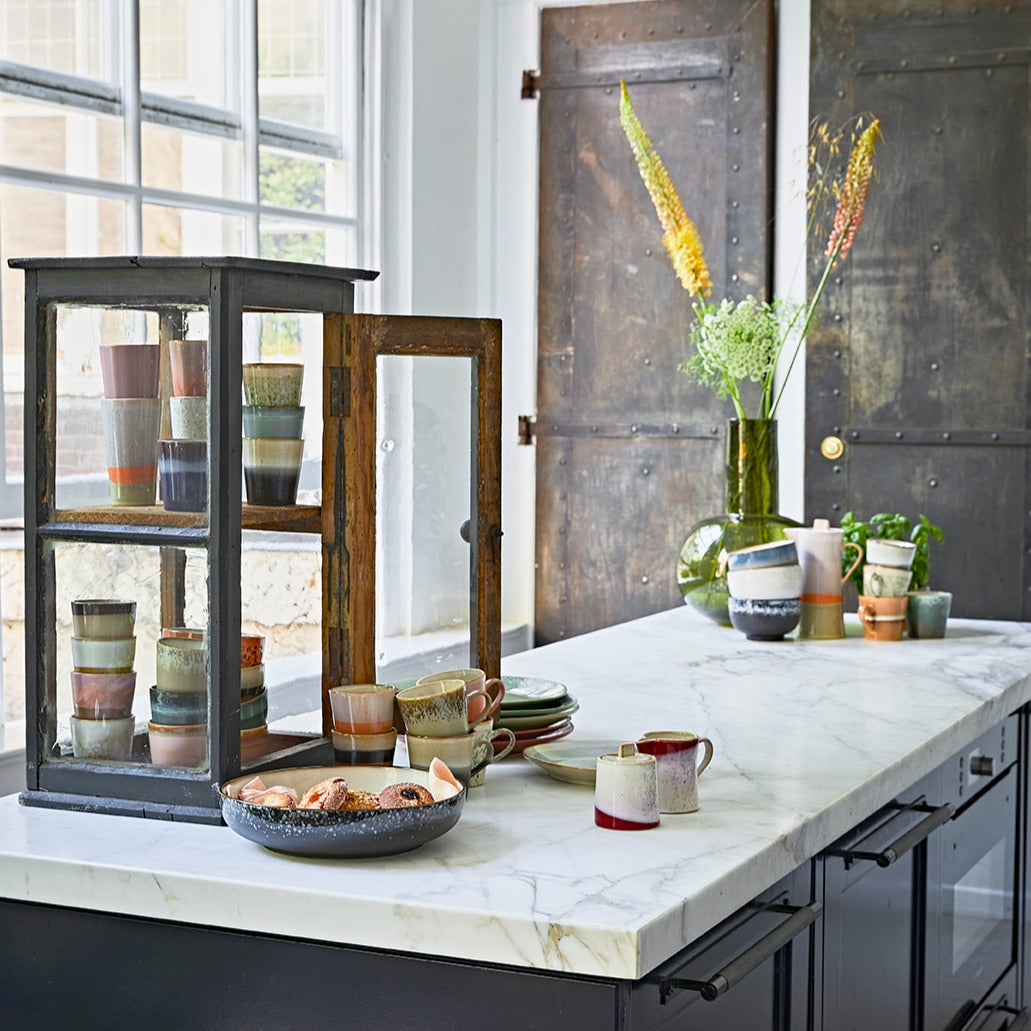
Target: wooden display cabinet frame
{"points": [[228, 287]]}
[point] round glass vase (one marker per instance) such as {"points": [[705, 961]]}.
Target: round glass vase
{"points": [[750, 518]]}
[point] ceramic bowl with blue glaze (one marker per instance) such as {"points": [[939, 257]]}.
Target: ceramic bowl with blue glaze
{"points": [[775, 553]]}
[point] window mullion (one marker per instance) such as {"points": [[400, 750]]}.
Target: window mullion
{"points": [[131, 124], [248, 79]]}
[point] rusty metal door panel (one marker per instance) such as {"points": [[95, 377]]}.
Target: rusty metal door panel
{"points": [[612, 318], [611, 546], [920, 362]]}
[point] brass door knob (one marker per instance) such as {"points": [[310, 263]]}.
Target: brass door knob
{"points": [[832, 448]]}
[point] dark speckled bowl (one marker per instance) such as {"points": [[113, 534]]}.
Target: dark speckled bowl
{"points": [[765, 620], [341, 835]]}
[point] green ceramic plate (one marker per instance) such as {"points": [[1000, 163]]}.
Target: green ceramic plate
{"points": [[574, 762], [531, 693], [518, 721]]}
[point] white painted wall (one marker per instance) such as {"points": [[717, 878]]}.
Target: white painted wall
{"points": [[472, 227]]}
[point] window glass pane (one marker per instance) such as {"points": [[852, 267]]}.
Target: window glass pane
{"points": [[422, 499], [306, 183], [286, 241], [38, 223], [292, 68], [168, 230], [191, 162], [183, 50], [52, 138], [70, 36]]}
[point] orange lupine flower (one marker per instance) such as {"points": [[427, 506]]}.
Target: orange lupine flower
{"points": [[853, 192], [680, 235]]}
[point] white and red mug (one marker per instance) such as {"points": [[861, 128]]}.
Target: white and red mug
{"points": [[677, 765]]}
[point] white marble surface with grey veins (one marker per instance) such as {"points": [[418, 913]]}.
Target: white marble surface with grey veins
{"points": [[810, 737]]}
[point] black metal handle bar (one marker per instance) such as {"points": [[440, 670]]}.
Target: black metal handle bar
{"points": [[756, 955]]}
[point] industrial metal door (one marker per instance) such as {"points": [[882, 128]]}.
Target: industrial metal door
{"points": [[629, 453], [919, 366]]}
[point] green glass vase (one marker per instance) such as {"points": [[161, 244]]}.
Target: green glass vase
{"points": [[750, 518]]}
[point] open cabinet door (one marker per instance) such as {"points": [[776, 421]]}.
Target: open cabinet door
{"points": [[629, 452], [917, 377]]}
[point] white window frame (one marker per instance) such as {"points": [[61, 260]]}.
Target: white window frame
{"points": [[120, 95]]}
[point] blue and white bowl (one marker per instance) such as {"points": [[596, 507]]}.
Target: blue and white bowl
{"points": [[775, 553]]}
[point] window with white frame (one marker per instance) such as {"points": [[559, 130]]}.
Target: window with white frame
{"points": [[168, 127]]}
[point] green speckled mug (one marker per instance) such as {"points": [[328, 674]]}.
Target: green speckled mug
{"points": [[439, 709]]}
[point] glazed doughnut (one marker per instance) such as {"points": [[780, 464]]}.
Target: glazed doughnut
{"points": [[361, 800], [403, 796], [328, 794]]}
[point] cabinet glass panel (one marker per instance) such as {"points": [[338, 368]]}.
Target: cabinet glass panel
{"points": [[281, 603], [129, 661], [424, 499], [131, 412]]}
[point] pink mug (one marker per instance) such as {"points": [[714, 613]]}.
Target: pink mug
{"points": [[676, 757]]}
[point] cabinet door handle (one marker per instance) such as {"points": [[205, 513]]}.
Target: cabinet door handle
{"points": [[752, 957], [902, 844]]}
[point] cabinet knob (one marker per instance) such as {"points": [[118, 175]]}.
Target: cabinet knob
{"points": [[982, 766]]}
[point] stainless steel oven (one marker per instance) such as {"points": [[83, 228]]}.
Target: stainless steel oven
{"points": [[972, 884], [920, 920]]}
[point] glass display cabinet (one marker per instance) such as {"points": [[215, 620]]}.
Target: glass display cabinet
{"points": [[142, 692]]}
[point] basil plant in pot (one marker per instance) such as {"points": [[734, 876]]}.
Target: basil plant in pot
{"points": [[739, 345], [928, 611]]}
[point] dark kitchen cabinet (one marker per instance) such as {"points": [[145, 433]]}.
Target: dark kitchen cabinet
{"points": [[754, 970], [920, 901]]}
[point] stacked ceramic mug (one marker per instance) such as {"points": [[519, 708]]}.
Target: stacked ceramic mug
{"points": [[272, 420], [103, 678], [178, 727], [765, 584], [443, 713], [183, 459], [886, 577], [132, 421]]}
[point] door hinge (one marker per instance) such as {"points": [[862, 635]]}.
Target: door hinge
{"points": [[531, 85], [527, 428]]}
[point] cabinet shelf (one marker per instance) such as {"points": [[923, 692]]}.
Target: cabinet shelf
{"points": [[280, 518]]}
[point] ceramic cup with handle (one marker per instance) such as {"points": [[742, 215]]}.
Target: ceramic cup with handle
{"points": [[475, 680], [676, 758], [626, 790], [438, 709], [885, 581], [465, 755]]}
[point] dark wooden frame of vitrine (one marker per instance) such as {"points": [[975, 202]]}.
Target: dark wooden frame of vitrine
{"points": [[226, 287]]}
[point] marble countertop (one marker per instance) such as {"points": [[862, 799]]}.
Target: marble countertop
{"points": [[810, 738]]}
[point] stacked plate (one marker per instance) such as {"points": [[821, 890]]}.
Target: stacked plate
{"points": [[535, 710]]}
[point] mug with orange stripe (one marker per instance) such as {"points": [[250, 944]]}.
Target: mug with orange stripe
{"points": [[131, 429], [820, 550]]}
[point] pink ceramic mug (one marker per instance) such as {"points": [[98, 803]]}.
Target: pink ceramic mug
{"points": [[676, 757], [130, 370], [362, 708]]}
